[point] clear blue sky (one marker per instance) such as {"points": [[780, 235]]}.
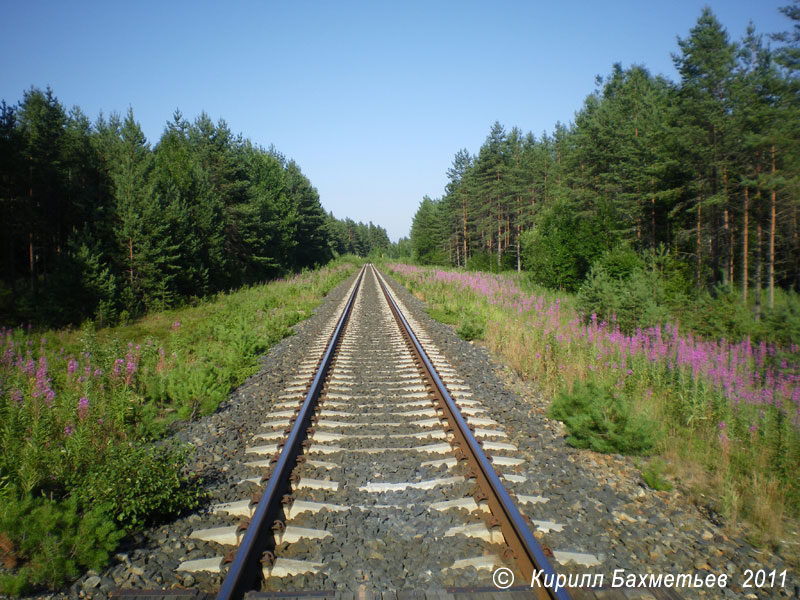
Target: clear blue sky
{"points": [[372, 99]]}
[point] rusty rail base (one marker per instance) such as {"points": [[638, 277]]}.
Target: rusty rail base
{"points": [[528, 553]]}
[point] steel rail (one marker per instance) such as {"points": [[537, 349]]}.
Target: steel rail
{"points": [[528, 553], [245, 571]]}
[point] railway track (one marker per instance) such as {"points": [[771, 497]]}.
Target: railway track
{"points": [[372, 473], [368, 447], [360, 481]]}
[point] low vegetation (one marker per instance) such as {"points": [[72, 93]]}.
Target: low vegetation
{"points": [[723, 415], [602, 418], [78, 409]]}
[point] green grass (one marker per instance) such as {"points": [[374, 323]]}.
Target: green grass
{"points": [[77, 408], [653, 475], [469, 325]]}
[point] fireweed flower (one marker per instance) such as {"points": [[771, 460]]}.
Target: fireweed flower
{"points": [[131, 369], [83, 407], [742, 372], [72, 366], [69, 430]]}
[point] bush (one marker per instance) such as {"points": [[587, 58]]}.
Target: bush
{"points": [[653, 475], [620, 262], [722, 314], [197, 387], [471, 328], [602, 419], [783, 322], [622, 288], [630, 303], [479, 261], [139, 484], [560, 250], [53, 541]]}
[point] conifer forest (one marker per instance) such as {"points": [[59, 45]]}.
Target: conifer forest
{"points": [[98, 224], [699, 177]]}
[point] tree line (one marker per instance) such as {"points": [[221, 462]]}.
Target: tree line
{"points": [[97, 223], [705, 170]]}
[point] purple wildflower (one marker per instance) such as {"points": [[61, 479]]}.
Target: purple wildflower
{"points": [[83, 407]]}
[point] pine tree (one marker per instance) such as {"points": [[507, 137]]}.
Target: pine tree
{"points": [[706, 67], [312, 246], [42, 121], [11, 201], [427, 233]]}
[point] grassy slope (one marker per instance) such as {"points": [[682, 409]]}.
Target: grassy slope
{"points": [[724, 415]]}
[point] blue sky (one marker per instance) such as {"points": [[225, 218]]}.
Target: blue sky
{"points": [[372, 99]]}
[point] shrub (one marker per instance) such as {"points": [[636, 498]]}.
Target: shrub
{"points": [[630, 303], [622, 289], [721, 313], [783, 321], [197, 387], [479, 261], [602, 419], [620, 262], [557, 253], [139, 484], [653, 475], [54, 541], [471, 328]]}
